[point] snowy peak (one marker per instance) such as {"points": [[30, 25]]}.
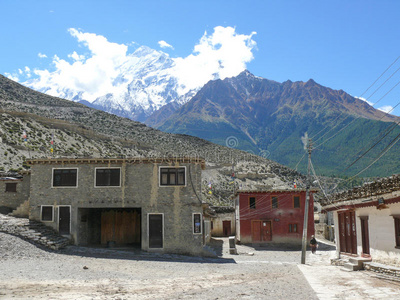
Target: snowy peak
{"points": [[143, 83]]}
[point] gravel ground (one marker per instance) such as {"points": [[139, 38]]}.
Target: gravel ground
{"points": [[28, 272]]}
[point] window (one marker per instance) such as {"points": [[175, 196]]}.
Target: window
{"points": [[65, 177], [172, 176], [108, 176], [293, 228], [397, 230], [196, 223], [274, 202], [296, 201], [11, 187], [252, 202], [46, 213]]}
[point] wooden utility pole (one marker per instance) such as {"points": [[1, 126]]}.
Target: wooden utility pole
{"points": [[307, 205]]}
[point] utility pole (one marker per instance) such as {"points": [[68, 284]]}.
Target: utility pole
{"points": [[307, 205]]}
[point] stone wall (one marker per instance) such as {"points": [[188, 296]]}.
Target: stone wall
{"points": [[139, 188], [12, 200]]}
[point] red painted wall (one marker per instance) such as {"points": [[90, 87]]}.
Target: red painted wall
{"points": [[280, 217]]}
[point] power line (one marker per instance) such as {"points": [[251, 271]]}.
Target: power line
{"points": [[355, 118], [383, 152], [393, 126], [360, 97]]}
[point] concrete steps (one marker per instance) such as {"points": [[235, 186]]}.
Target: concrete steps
{"points": [[33, 231], [356, 263]]}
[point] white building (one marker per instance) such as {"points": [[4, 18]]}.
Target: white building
{"points": [[367, 220]]}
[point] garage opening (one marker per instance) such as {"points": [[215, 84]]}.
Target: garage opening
{"points": [[110, 227]]}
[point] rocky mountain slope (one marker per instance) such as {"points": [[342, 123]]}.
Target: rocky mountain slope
{"points": [[80, 131], [270, 118]]}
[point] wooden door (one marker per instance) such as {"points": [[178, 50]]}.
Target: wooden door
{"points": [[347, 232], [64, 220], [155, 231], [342, 237], [226, 228], [120, 226], [256, 231], [353, 232], [266, 232], [365, 235]]}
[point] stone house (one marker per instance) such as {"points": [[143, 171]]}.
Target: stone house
{"points": [[273, 216], [14, 191], [367, 220], [151, 203], [223, 222]]}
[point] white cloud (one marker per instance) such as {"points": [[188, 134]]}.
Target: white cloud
{"points": [[12, 76], [386, 108], [164, 44], [41, 55], [220, 55], [365, 100], [75, 56], [91, 76]]}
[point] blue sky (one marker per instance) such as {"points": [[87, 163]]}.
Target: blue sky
{"points": [[340, 44]]}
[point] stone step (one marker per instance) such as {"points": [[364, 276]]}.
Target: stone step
{"points": [[352, 267], [33, 231]]}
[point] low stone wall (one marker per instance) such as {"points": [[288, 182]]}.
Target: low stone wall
{"points": [[382, 269]]}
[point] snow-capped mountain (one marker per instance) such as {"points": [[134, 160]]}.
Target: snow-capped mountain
{"points": [[145, 82]]}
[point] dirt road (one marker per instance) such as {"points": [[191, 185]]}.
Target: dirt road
{"points": [[82, 273]]}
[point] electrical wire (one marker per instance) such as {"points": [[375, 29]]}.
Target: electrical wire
{"points": [[360, 97]]}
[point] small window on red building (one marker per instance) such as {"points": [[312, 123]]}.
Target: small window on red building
{"points": [[252, 202], [11, 187], [293, 228], [274, 202], [397, 230], [296, 201]]}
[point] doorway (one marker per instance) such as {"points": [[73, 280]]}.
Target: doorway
{"points": [[365, 236], [64, 220], [226, 228], [261, 231], [156, 234], [347, 232]]}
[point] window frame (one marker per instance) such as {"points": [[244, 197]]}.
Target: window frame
{"points": [[201, 223], [294, 196], [292, 226], [107, 186], [64, 186], [9, 184], [272, 202], [255, 202], [171, 185], [52, 213]]}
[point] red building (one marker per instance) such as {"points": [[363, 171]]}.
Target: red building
{"points": [[275, 216]]}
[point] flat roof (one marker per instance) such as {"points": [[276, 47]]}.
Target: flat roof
{"points": [[275, 191], [132, 160]]}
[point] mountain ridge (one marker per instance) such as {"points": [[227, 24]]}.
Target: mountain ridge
{"points": [[268, 116]]}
